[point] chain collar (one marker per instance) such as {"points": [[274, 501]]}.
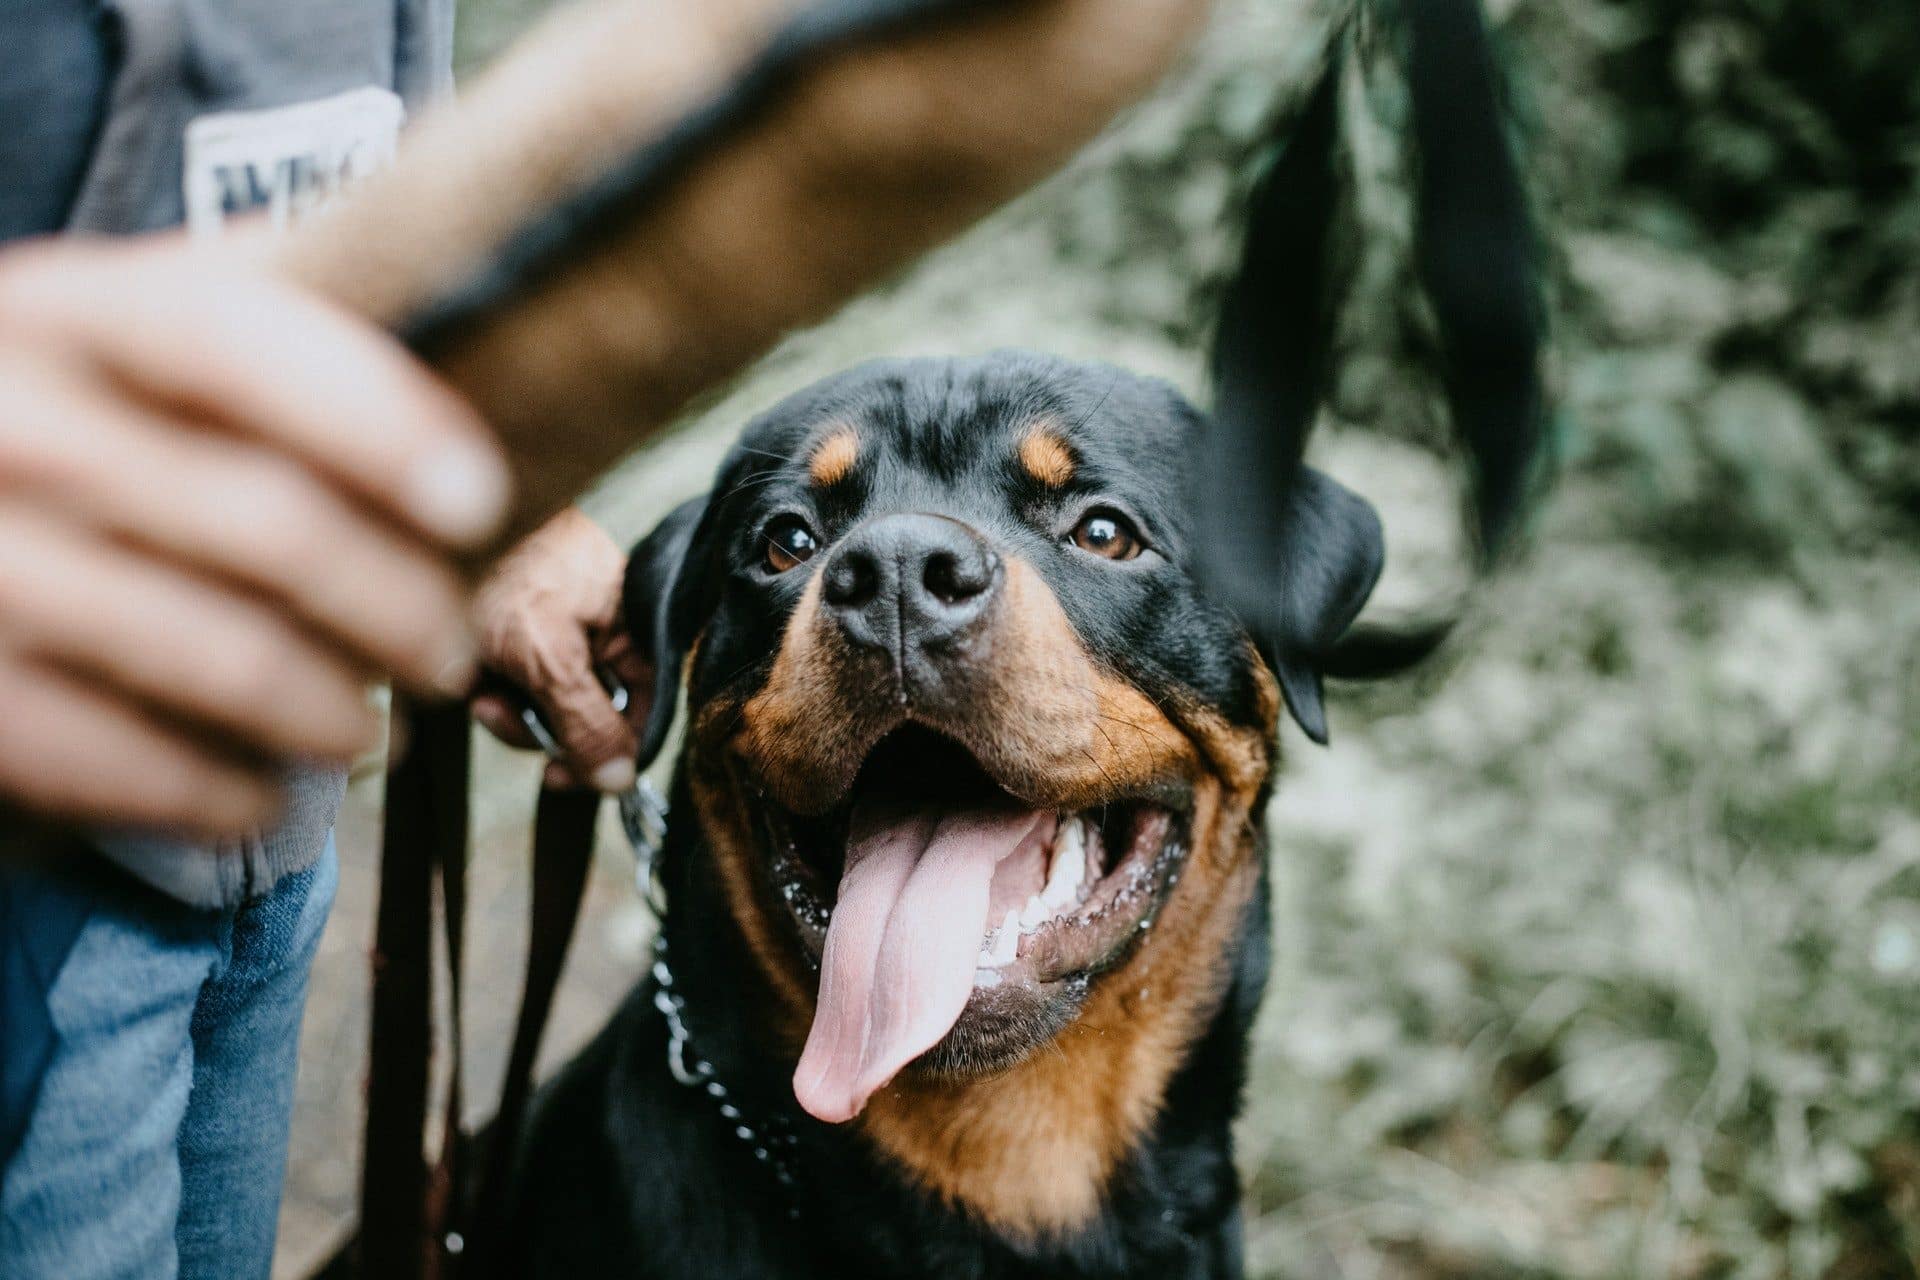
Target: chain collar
{"points": [[644, 816], [772, 1141]]}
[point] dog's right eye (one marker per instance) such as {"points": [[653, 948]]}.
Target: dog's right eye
{"points": [[789, 542], [1106, 533]]}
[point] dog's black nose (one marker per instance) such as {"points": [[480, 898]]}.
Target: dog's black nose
{"points": [[912, 585]]}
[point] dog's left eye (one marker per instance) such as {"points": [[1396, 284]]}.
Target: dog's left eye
{"points": [[789, 542], [1106, 533]]}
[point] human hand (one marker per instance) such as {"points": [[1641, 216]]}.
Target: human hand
{"points": [[224, 508], [548, 618]]}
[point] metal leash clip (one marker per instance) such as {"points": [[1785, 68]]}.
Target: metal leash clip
{"points": [[643, 810]]}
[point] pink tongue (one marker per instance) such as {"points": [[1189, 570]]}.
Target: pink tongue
{"points": [[901, 948]]}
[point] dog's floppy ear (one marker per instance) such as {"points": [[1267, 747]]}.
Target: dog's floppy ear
{"points": [[655, 577], [1330, 556]]}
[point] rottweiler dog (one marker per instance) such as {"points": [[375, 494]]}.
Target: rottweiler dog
{"points": [[966, 881]]}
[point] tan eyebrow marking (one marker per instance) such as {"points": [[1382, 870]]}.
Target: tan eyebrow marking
{"points": [[834, 456], [1046, 456]]}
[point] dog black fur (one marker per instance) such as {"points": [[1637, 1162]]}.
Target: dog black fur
{"points": [[627, 1171]]}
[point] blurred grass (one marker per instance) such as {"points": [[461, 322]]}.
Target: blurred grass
{"points": [[1597, 950]]}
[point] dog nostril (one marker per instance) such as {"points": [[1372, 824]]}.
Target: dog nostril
{"points": [[951, 578], [850, 580]]}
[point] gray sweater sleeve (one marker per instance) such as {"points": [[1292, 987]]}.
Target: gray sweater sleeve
{"points": [[237, 870]]}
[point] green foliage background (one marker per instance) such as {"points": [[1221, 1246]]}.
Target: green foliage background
{"points": [[1597, 947]]}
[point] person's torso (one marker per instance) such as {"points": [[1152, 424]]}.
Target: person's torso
{"points": [[135, 115]]}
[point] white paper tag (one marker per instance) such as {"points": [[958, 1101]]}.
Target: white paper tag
{"points": [[288, 162]]}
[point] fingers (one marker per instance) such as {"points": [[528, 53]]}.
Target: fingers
{"points": [[500, 716], [239, 512], [239, 348], [597, 742], [69, 752], [617, 654], [223, 506], [540, 616], [183, 647]]}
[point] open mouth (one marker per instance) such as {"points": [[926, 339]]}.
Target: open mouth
{"points": [[932, 897]]}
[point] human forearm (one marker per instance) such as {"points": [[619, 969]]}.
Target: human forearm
{"points": [[872, 157]]}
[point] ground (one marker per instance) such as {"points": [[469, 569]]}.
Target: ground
{"points": [[1598, 945]]}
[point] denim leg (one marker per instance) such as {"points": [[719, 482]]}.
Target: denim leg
{"points": [[93, 1190], [37, 931], [246, 1039]]}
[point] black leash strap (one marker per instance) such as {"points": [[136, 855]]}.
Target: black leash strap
{"points": [[438, 1225], [1271, 349], [425, 828], [1477, 259], [562, 853], [446, 1183]]}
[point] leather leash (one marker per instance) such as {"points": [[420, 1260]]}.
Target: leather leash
{"points": [[563, 832], [414, 1222], [1476, 255], [425, 828]]}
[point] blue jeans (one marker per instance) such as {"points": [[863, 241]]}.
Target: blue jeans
{"points": [[157, 1140]]}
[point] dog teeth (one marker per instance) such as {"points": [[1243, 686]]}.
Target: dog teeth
{"points": [[1067, 873], [1005, 942], [1034, 914], [1069, 867]]}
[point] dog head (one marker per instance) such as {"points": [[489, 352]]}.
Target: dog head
{"points": [[977, 761]]}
